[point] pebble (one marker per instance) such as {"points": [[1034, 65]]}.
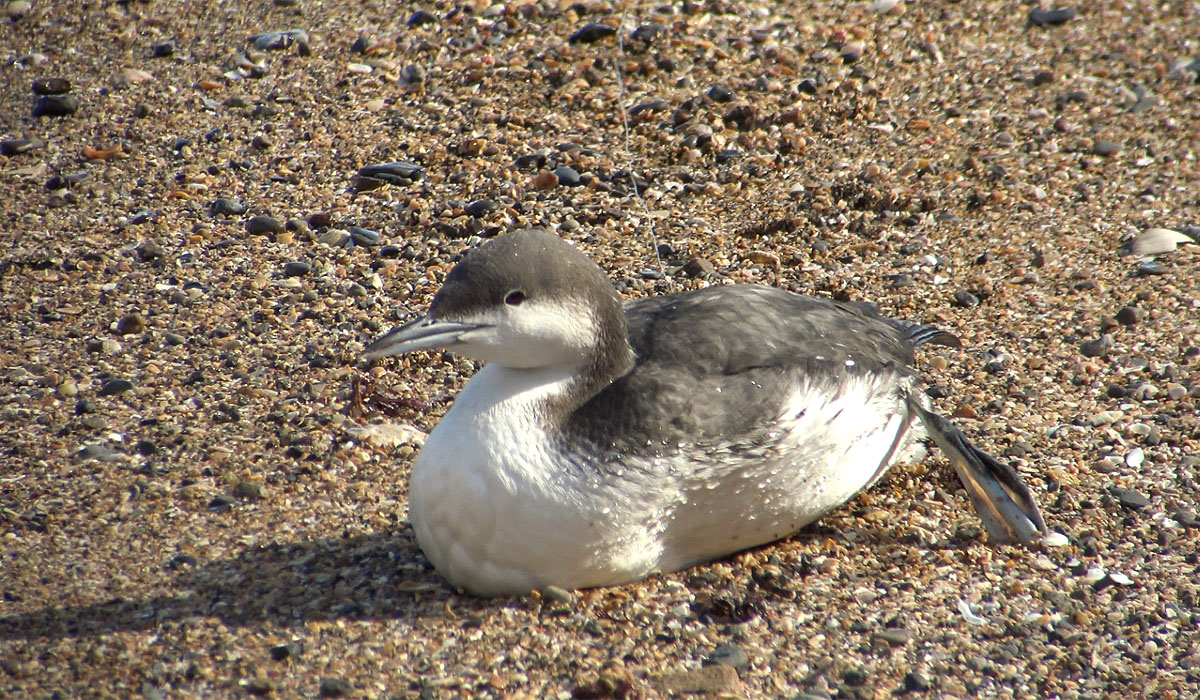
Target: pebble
{"points": [[365, 236], [1186, 517], [262, 225], [591, 32], [730, 655], [712, 680], [55, 106], [291, 650], [15, 147], [481, 208], [893, 637], [250, 491], [915, 682], [1098, 347], [296, 268], [1129, 498], [698, 267], [396, 173], [852, 51], [966, 299], [222, 503], [1043, 77], [96, 452], [280, 40], [421, 17], [113, 387], [1042, 18], [130, 324], [720, 93], [1129, 315], [545, 180], [51, 86], [226, 207], [568, 176], [335, 687], [554, 594], [18, 8], [163, 50], [1106, 148], [1149, 268]]}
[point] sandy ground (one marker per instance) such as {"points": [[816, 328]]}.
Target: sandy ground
{"points": [[188, 509]]}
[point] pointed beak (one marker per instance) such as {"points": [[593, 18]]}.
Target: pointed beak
{"points": [[425, 333]]}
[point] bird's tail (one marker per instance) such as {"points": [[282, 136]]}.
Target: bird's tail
{"points": [[1003, 501]]}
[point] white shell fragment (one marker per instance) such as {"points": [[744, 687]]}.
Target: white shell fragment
{"points": [[1157, 241], [969, 615], [387, 434]]}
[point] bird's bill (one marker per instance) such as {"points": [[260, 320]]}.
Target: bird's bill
{"points": [[425, 333]]}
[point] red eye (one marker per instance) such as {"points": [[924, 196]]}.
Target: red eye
{"points": [[514, 298]]}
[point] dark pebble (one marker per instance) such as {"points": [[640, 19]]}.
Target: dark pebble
{"points": [[966, 299], [729, 655], [1186, 517], [893, 637], [915, 682], [855, 677], [291, 650], [131, 324], [390, 251], [260, 686], [55, 105], [95, 452], [365, 236], [482, 208], [296, 268], [568, 176], [1043, 77], [422, 17], [720, 93], [280, 40], [1129, 315], [163, 50], [51, 86], [94, 423], [335, 687], [1042, 18], [261, 142], [1130, 499], [591, 32], [1115, 391], [1106, 148], [261, 225], [147, 448], [174, 338], [650, 273], [222, 503], [1150, 268], [15, 147], [115, 386], [320, 220], [808, 86], [226, 207], [398, 173], [1098, 347], [652, 106], [647, 32]]}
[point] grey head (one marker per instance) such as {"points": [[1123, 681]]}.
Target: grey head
{"points": [[525, 300]]}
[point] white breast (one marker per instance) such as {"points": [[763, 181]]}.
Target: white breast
{"points": [[498, 508]]}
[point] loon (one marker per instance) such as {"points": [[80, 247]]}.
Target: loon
{"points": [[603, 442]]}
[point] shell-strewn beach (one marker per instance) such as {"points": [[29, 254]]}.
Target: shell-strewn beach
{"points": [[197, 498]]}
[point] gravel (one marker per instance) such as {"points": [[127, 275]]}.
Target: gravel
{"points": [[188, 486]]}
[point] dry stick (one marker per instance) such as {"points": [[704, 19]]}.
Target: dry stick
{"points": [[625, 125]]}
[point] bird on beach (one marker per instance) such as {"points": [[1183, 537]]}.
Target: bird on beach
{"points": [[603, 442]]}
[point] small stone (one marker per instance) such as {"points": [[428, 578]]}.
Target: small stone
{"points": [[15, 147], [568, 176], [51, 86], [163, 50], [280, 40], [18, 9], [698, 267], [174, 338], [55, 106], [291, 650], [296, 268], [260, 686], [852, 51], [115, 386], [226, 207], [713, 680], [554, 594], [421, 17], [915, 682], [222, 503], [730, 655], [1042, 18], [591, 32], [893, 637], [365, 236], [250, 491], [855, 677], [808, 86], [1186, 517], [1055, 539], [1106, 148], [397, 173], [720, 93], [1098, 347], [262, 225], [1043, 77], [1129, 315], [261, 142], [335, 687], [131, 324], [545, 180], [95, 452], [966, 299], [481, 208], [1130, 499]]}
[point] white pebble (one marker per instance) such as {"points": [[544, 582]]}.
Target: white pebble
{"points": [[1055, 539], [1135, 457], [969, 615]]}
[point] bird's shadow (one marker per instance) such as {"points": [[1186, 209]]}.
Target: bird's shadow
{"points": [[372, 576]]}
